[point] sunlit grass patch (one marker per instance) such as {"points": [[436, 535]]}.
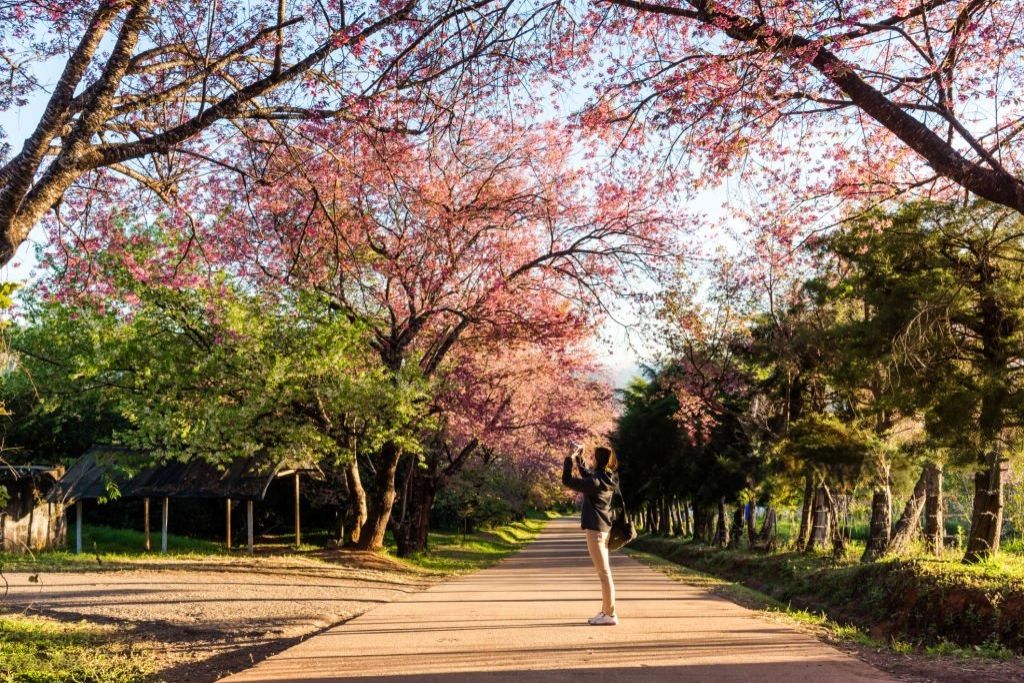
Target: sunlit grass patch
{"points": [[987, 650], [455, 552], [38, 650], [108, 546]]}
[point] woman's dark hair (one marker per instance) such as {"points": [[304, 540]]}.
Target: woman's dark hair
{"points": [[605, 459]]}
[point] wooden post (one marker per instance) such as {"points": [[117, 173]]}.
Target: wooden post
{"points": [[248, 522], [78, 526], [298, 527], [163, 527], [227, 534], [145, 522]]}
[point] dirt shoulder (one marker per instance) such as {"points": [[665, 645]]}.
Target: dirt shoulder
{"points": [[202, 619]]}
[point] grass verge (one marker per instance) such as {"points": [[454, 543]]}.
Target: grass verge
{"points": [[38, 650], [106, 546], [931, 606], [452, 552]]}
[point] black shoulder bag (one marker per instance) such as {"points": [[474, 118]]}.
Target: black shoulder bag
{"points": [[622, 530]]}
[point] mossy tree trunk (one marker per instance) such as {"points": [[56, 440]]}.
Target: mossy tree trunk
{"points": [[749, 510], [987, 514], [767, 538], [820, 528]]}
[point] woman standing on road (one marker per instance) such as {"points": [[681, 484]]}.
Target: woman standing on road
{"points": [[597, 488]]}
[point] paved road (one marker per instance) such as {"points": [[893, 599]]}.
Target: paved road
{"points": [[524, 620]]}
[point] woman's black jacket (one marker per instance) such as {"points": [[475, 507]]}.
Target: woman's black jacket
{"points": [[597, 489]]}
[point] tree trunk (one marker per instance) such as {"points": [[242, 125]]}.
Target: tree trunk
{"points": [[907, 526], [677, 519], [751, 530], [666, 520], [371, 535], [722, 525], [736, 533], [687, 527], [880, 527], [835, 511], [820, 519], [766, 538], [934, 526], [806, 521], [987, 515], [411, 535], [355, 508], [698, 524]]}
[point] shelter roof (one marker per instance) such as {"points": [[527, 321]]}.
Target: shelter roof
{"points": [[91, 475], [243, 479]]}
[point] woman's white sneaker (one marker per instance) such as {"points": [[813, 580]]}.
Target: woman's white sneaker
{"points": [[604, 620]]}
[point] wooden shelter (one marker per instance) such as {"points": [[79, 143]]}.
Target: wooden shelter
{"points": [[245, 479], [29, 520], [94, 476]]}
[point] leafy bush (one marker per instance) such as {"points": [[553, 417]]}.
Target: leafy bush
{"points": [[481, 495]]}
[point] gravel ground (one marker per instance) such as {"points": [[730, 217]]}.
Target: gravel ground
{"points": [[204, 619]]}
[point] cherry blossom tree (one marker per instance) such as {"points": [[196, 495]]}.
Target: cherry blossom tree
{"points": [[156, 91], [430, 243], [526, 403], [832, 99]]}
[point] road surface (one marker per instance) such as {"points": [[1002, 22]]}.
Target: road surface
{"points": [[524, 620]]}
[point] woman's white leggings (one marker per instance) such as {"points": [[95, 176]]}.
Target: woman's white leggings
{"points": [[597, 544]]}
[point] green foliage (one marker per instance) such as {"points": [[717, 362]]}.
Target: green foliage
{"points": [[58, 403], [946, 284], [829, 444], [481, 495], [211, 373], [7, 290], [104, 547], [36, 650], [660, 458], [455, 552]]}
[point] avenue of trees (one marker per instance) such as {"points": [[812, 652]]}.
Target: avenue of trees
{"points": [[896, 358], [382, 234], [415, 307]]}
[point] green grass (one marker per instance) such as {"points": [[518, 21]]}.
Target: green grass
{"points": [[37, 650], [452, 552], [985, 650], [106, 546], [918, 601], [845, 633], [128, 542], [752, 599]]}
